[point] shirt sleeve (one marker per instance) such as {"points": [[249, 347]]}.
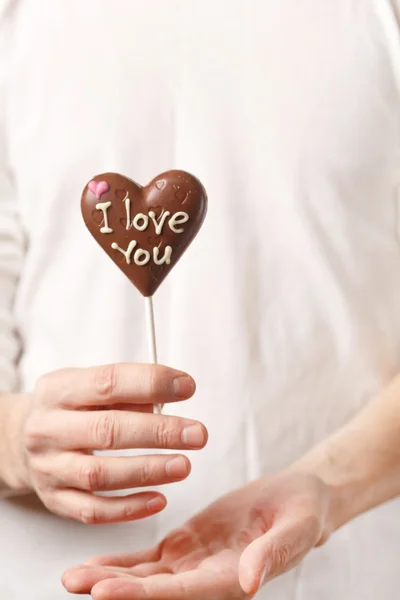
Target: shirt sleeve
{"points": [[11, 237]]}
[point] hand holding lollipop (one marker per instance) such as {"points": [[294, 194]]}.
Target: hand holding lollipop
{"points": [[72, 412]]}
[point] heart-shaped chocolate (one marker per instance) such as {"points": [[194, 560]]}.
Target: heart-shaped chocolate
{"points": [[145, 230]]}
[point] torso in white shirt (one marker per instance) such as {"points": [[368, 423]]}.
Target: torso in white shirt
{"points": [[286, 307]]}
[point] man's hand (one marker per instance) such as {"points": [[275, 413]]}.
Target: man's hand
{"points": [[77, 411], [227, 552]]}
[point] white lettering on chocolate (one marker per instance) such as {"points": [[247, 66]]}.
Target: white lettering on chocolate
{"points": [[141, 257], [141, 217], [159, 225], [128, 211], [127, 253], [165, 259], [104, 206], [179, 218]]}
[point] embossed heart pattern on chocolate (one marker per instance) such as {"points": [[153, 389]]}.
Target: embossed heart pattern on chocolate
{"points": [[144, 230]]}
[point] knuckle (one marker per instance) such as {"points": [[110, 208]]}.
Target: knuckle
{"points": [[129, 512], [91, 477], [106, 431], [89, 516], [146, 473], [284, 554], [105, 380], [175, 427], [280, 556], [163, 434]]}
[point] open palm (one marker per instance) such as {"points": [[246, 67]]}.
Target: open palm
{"points": [[223, 553]]}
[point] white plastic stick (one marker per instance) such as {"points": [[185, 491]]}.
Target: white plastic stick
{"points": [[151, 337], [151, 330]]}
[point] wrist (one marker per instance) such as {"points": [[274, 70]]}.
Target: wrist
{"points": [[343, 486], [14, 474], [360, 463]]}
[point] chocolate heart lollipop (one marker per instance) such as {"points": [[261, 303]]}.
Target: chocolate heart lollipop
{"points": [[144, 230]]}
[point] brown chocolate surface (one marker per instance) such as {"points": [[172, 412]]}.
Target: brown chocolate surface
{"points": [[144, 230]]}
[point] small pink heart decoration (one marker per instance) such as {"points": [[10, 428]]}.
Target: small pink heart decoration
{"points": [[98, 188]]}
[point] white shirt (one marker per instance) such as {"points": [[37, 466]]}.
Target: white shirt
{"points": [[286, 308]]}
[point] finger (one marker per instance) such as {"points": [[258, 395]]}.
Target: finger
{"points": [[96, 510], [145, 408], [127, 559], [82, 580], [114, 384], [147, 569], [100, 474], [112, 430], [271, 554], [191, 585]]}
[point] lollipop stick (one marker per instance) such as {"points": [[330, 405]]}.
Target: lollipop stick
{"points": [[151, 330], [151, 337]]}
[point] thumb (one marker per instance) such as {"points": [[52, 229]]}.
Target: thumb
{"points": [[273, 553]]}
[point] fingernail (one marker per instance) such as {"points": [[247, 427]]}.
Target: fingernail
{"points": [[263, 577], [176, 467], [156, 504], [193, 436], [184, 386]]}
